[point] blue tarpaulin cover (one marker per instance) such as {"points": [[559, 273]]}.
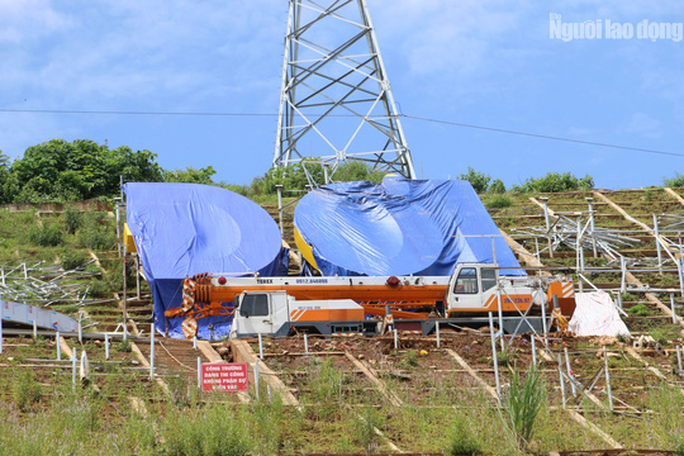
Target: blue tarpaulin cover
{"points": [[185, 229], [400, 227]]}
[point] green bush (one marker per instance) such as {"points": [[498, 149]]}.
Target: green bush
{"points": [[26, 390], [325, 386], [410, 359], [555, 182], [212, 432], [124, 346], [71, 259], [270, 423], [497, 186], [294, 177], [290, 177], [676, 181], [139, 435], [99, 288], [181, 391], [365, 425], [83, 412], [96, 232], [462, 440], [640, 310], [498, 202], [72, 219], [111, 281], [190, 175], [46, 235], [239, 189], [356, 171]]}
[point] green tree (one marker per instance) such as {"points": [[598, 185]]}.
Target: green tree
{"points": [[291, 177], [6, 186], [555, 182], [479, 181], [356, 171], [191, 175], [294, 177], [58, 170]]}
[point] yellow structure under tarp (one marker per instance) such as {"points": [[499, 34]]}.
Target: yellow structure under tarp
{"points": [[304, 248], [128, 240]]}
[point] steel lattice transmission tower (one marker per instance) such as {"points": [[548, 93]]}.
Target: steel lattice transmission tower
{"points": [[336, 104]]}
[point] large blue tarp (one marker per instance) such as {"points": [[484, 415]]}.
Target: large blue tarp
{"points": [[400, 227], [185, 229]]}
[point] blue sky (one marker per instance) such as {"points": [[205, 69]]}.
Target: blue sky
{"points": [[479, 62]]}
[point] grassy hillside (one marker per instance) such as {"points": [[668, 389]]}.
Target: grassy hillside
{"points": [[355, 395]]}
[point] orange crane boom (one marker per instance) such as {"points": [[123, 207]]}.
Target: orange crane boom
{"points": [[414, 292]]}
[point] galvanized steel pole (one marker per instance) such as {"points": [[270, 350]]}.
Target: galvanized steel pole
{"points": [[545, 200], [494, 356], [152, 351], [657, 239], [608, 389], [279, 189]]}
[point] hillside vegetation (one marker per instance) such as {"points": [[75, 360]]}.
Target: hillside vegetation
{"points": [[60, 171]]}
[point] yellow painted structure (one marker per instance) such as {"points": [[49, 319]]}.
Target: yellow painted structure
{"points": [[305, 249], [128, 240]]}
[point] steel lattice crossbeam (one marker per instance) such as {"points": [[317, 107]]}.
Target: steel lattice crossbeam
{"points": [[336, 103]]}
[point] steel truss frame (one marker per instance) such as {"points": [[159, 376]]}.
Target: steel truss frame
{"points": [[347, 81]]}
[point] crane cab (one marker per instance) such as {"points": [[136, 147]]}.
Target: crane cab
{"points": [[275, 313], [477, 288]]}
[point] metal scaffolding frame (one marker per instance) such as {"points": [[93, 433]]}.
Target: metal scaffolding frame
{"points": [[42, 285], [336, 104]]}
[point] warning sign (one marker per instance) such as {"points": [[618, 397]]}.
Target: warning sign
{"points": [[224, 377]]}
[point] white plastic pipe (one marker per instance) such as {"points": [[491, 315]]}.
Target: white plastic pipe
{"points": [[199, 372], [562, 380], [73, 369], [498, 300], [567, 363], [59, 346], [544, 328], [657, 236], [494, 357], [608, 390], [256, 379], [106, 346]]}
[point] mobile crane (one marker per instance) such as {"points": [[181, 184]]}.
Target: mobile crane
{"points": [[410, 303]]}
